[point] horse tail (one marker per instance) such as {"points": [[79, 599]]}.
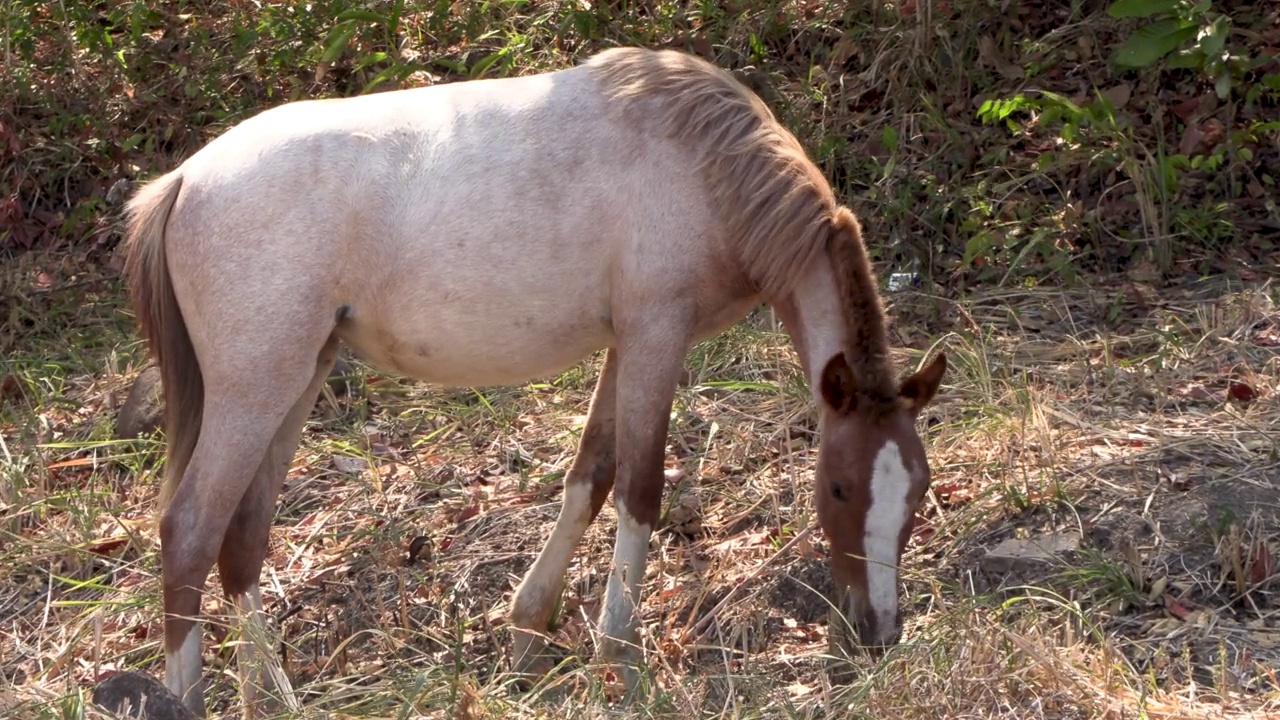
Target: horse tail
{"points": [[160, 319]]}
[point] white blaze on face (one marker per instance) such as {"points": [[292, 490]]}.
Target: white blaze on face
{"points": [[890, 485]]}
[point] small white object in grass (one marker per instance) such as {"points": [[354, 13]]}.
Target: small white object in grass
{"points": [[349, 465], [901, 281]]}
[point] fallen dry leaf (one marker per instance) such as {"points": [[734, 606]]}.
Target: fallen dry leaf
{"points": [[11, 388], [922, 530], [989, 54], [1262, 565], [1177, 609], [74, 462], [1195, 391], [806, 548], [1158, 587], [1243, 392], [348, 465], [1118, 94], [108, 546], [749, 539], [467, 513]]}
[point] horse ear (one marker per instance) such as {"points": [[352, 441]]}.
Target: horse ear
{"points": [[920, 388], [838, 386]]}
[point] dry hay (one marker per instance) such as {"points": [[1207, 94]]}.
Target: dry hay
{"points": [[411, 512]]}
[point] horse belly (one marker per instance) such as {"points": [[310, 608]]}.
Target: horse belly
{"points": [[471, 346]]}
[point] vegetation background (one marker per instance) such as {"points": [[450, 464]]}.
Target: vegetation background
{"points": [[1083, 194]]}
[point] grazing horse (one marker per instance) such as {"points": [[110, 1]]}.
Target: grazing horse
{"points": [[486, 233]]}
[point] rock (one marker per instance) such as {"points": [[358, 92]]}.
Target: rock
{"points": [[1027, 553], [134, 695], [143, 410]]}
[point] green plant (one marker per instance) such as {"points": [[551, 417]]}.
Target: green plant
{"points": [[1190, 30]]}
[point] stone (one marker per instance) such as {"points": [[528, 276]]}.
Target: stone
{"points": [[133, 695], [1028, 553], [143, 410]]}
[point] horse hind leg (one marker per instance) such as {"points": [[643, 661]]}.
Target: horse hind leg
{"points": [[586, 487], [243, 412], [244, 549]]}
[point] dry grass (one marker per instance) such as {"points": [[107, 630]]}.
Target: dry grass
{"points": [[411, 512], [1081, 410]]}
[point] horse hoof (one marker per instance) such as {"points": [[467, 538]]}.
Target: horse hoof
{"points": [[533, 658]]}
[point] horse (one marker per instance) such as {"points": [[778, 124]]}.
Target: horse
{"points": [[488, 232]]}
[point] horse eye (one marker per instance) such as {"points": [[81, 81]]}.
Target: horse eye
{"points": [[838, 492]]}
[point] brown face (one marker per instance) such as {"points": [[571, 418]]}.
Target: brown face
{"points": [[872, 475]]}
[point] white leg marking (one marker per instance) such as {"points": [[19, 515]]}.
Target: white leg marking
{"points": [[548, 571], [620, 614], [248, 658], [182, 669], [258, 669], [890, 483]]}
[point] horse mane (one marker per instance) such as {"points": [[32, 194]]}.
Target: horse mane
{"points": [[865, 315], [778, 209], [775, 205]]}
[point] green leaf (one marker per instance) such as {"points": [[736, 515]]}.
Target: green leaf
{"points": [[452, 65], [1141, 8], [1154, 41], [996, 110], [1223, 86], [977, 246], [338, 40], [890, 139], [365, 15], [372, 58], [985, 110], [480, 68], [1064, 101], [394, 74], [1215, 38], [1190, 59]]}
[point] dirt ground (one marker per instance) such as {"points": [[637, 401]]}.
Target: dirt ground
{"points": [[1143, 421]]}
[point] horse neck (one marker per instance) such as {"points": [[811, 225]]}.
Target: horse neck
{"points": [[815, 317]]}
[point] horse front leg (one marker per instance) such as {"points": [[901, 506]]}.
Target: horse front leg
{"points": [[651, 357], [586, 486]]}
